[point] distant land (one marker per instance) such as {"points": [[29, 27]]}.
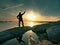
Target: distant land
{"points": [[5, 21], [28, 21]]}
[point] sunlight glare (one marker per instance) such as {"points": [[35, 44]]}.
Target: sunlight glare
{"points": [[31, 24], [31, 16]]}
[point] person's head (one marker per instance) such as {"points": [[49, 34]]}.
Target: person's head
{"points": [[19, 12]]}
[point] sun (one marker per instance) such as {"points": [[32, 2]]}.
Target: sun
{"points": [[31, 16]]}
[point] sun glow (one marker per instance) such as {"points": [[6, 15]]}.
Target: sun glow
{"points": [[31, 24], [31, 16]]}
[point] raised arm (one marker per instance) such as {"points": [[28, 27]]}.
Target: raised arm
{"points": [[23, 13]]}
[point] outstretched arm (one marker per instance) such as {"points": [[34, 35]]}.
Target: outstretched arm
{"points": [[23, 13]]}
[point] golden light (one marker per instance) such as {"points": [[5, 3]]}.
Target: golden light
{"points": [[31, 16], [31, 24]]}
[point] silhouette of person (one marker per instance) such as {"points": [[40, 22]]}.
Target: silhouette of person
{"points": [[19, 17]]}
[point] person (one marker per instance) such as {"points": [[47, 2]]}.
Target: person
{"points": [[19, 17]]}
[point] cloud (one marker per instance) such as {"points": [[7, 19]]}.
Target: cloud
{"points": [[40, 17], [9, 6], [50, 18]]}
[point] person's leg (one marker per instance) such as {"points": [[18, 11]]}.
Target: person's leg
{"points": [[22, 23], [19, 23]]}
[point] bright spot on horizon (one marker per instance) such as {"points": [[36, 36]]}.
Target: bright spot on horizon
{"points": [[31, 24]]}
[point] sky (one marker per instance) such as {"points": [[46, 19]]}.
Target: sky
{"points": [[44, 10]]}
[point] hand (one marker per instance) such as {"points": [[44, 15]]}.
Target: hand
{"points": [[24, 11]]}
